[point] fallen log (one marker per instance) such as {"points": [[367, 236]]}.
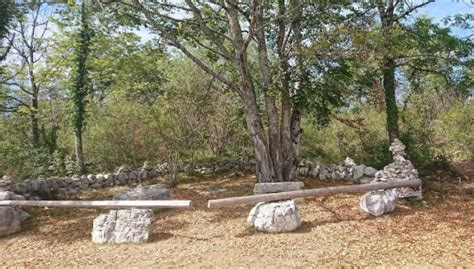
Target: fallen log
{"points": [[253, 199], [97, 204]]}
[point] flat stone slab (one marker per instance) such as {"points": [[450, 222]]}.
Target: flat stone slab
{"points": [[151, 192], [261, 188], [275, 217], [122, 226]]}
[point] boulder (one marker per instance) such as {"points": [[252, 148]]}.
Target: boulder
{"points": [[11, 219], [314, 171], [377, 203], [275, 217], [324, 174], [8, 195], [261, 188], [5, 182], [302, 171], [151, 192], [348, 162], [122, 226], [370, 171], [358, 171], [123, 169]]}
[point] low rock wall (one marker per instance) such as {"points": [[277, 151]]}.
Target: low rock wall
{"points": [[49, 188]]}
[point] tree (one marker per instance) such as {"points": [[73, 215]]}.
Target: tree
{"points": [[390, 20], [7, 14], [80, 86], [29, 70], [221, 37]]}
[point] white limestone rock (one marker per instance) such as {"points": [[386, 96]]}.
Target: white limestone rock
{"points": [[122, 226], [370, 171], [349, 162], [6, 181], [275, 217], [358, 171], [377, 203], [314, 171]]}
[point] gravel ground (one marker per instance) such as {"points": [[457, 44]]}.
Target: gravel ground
{"points": [[335, 232]]}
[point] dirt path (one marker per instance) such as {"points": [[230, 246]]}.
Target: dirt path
{"points": [[335, 232]]}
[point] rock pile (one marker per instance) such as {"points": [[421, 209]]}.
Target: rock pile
{"points": [[348, 171], [122, 226], [400, 169], [50, 188]]}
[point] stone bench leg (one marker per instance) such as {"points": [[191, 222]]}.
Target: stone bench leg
{"points": [[122, 226]]}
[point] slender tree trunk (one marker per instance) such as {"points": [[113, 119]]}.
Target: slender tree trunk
{"points": [[35, 131], [264, 165], [391, 108], [80, 88], [81, 168], [274, 141], [388, 68]]}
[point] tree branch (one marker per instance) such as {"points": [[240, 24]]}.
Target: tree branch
{"points": [[411, 9], [174, 42]]}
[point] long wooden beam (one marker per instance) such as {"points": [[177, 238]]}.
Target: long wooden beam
{"points": [[96, 204], [253, 199]]}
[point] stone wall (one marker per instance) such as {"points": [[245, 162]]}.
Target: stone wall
{"points": [[49, 188], [348, 170]]}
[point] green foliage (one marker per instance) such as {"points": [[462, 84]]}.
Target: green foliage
{"points": [[80, 82], [145, 102], [334, 142], [7, 13]]}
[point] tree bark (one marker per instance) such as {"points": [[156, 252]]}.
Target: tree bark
{"points": [[390, 99], [387, 18], [35, 132], [264, 166], [270, 98], [78, 147]]}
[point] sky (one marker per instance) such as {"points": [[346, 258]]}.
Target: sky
{"points": [[438, 10], [444, 8]]}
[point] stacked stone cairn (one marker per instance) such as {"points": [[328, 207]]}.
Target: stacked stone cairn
{"points": [[400, 169], [378, 202], [128, 225], [347, 170], [279, 216]]}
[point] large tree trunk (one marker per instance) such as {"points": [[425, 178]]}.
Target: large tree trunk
{"points": [[274, 142], [80, 165], [389, 86]]}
